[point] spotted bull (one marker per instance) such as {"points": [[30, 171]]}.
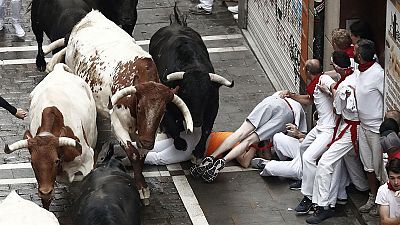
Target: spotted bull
{"points": [[183, 61], [123, 78], [56, 18], [63, 119]]}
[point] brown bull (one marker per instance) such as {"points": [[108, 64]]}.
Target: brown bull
{"points": [[63, 119]]}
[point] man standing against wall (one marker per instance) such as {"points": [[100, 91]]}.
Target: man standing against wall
{"points": [[369, 97]]}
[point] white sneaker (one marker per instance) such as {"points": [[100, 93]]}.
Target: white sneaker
{"points": [[18, 30], [233, 9], [1, 24], [236, 16]]}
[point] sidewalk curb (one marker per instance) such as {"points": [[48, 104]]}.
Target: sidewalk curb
{"points": [[356, 212]]}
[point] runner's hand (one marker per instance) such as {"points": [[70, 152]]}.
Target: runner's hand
{"points": [[21, 114], [285, 94]]}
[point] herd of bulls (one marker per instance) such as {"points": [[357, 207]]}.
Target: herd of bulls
{"points": [[106, 72]]}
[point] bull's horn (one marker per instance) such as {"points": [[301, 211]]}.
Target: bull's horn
{"points": [[53, 45], [66, 141], [57, 58], [175, 76], [185, 112], [64, 67], [120, 94], [17, 145], [221, 80]]}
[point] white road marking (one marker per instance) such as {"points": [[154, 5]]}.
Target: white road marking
{"points": [[32, 61], [140, 42], [174, 167], [18, 181], [15, 166], [189, 200]]}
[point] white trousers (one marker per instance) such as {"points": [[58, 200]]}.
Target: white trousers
{"points": [[164, 151], [206, 4], [313, 146], [355, 170], [285, 147], [331, 171], [16, 6]]}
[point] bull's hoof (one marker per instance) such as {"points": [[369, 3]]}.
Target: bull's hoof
{"points": [[144, 194], [40, 64], [180, 144]]}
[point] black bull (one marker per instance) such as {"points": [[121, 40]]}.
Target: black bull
{"points": [[180, 48], [56, 18], [108, 195]]}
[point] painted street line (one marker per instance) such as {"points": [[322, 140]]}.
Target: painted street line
{"points": [[189, 200], [141, 42], [18, 181], [15, 166], [172, 167], [32, 61]]}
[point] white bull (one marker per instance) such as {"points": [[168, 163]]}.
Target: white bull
{"points": [[18, 211], [121, 74], [63, 119]]}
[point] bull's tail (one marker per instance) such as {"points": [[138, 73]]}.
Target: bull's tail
{"points": [[178, 17]]}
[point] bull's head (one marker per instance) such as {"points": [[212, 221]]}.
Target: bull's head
{"points": [[197, 90], [47, 153], [122, 12], [151, 100]]}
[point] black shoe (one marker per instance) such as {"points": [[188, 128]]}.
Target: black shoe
{"points": [[304, 206], [295, 186], [210, 174], [198, 170], [320, 214], [259, 163]]}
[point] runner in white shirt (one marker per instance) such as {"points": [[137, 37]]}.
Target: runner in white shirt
{"points": [[388, 197], [316, 141], [345, 140], [369, 96]]}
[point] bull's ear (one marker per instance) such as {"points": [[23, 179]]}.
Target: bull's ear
{"points": [[27, 135], [175, 90], [63, 132]]}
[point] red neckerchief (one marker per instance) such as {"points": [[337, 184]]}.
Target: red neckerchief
{"points": [[365, 66], [347, 72], [350, 51], [390, 186], [313, 83], [394, 155]]}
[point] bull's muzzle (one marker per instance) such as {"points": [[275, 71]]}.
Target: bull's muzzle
{"points": [[46, 193]]}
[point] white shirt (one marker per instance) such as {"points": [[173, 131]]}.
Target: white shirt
{"points": [[386, 197], [343, 104], [369, 95], [298, 112], [324, 104], [299, 115]]}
